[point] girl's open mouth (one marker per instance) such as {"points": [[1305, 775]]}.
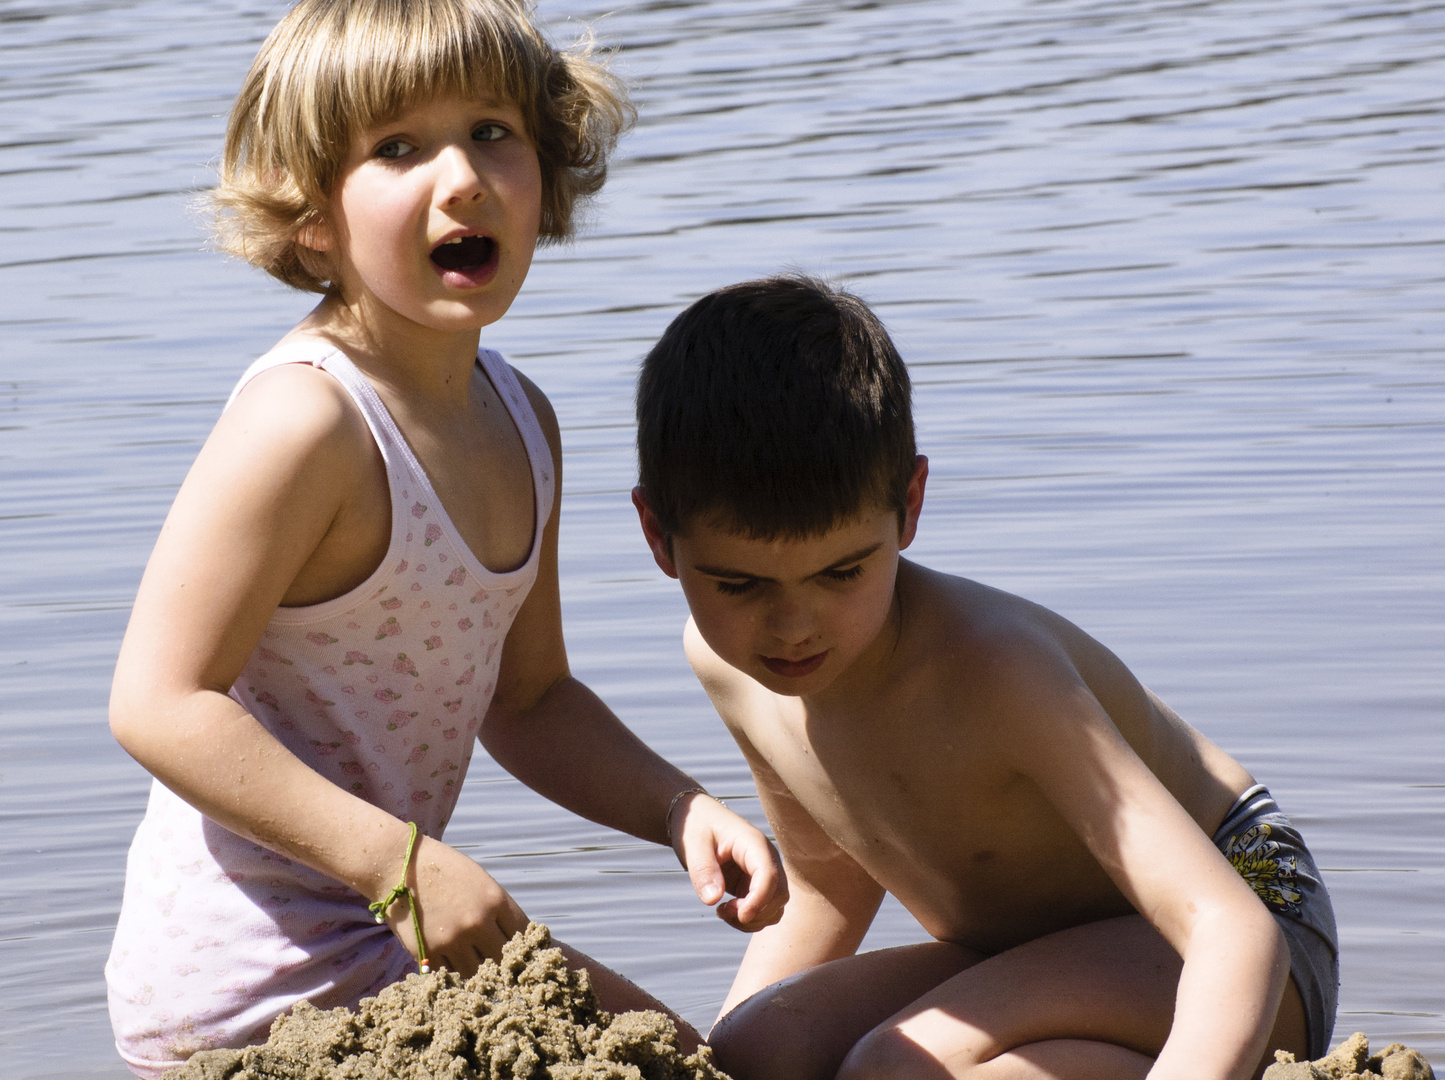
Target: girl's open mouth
{"points": [[466, 260]]}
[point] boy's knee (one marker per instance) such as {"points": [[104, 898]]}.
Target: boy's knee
{"points": [[744, 1050], [887, 1053], [754, 1042]]}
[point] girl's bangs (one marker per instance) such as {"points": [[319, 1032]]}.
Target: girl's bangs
{"points": [[424, 50]]}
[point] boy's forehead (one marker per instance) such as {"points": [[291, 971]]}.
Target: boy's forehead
{"points": [[715, 543]]}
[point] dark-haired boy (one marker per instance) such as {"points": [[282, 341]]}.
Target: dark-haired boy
{"points": [[1045, 817]]}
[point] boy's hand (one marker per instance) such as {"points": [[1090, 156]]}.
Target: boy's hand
{"points": [[466, 917], [724, 854]]}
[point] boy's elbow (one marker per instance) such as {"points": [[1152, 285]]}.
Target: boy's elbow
{"points": [[1280, 948], [1253, 926]]}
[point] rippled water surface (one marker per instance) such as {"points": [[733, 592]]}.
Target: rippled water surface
{"points": [[1169, 278]]}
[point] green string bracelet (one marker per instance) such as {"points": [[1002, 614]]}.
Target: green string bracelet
{"points": [[398, 891]]}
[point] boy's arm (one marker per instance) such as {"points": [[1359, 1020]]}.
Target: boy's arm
{"points": [[1235, 960], [561, 740], [831, 899]]}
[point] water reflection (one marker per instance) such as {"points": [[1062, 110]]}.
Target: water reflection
{"points": [[1168, 278]]}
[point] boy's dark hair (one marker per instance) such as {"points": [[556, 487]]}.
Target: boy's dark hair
{"points": [[778, 408]]}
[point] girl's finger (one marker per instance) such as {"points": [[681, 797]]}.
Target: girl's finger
{"points": [[512, 920], [727, 911], [706, 874]]}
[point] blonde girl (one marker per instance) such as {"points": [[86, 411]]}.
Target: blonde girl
{"points": [[358, 577]]}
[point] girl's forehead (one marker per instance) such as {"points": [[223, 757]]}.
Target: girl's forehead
{"points": [[443, 103]]}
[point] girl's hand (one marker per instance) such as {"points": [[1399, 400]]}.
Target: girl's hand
{"points": [[723, 853], [466, 917]]}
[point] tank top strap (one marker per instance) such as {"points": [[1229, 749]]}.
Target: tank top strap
{"points": [[401, 463], [539, 452], [395, 450]]}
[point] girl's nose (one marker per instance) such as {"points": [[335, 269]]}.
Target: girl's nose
{"points": [[460, 180]]}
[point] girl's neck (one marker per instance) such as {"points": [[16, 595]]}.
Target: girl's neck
{"points": [[411, 359]]}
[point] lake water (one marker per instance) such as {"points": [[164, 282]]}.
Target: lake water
{"points": [[1169, 278]]}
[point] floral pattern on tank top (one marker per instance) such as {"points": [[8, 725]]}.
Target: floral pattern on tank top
{"points": [[381, 691]]}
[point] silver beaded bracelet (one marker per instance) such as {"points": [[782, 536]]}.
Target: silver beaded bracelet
{"points": [[684, 793]]}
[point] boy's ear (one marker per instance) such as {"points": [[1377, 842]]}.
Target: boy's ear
{"points": [[652, 530], [914, 506]]}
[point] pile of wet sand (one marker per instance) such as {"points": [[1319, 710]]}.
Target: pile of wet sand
{"points": [[527, 1018], [1352, 1060]]}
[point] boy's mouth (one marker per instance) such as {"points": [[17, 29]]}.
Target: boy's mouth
{"points": [[468, 257], [794, 669]]}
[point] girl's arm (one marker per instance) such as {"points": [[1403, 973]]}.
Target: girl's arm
{"points": [[281, 480], [556, 736], [1235, 959]]}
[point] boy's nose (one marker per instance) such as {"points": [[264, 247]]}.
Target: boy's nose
{"points": [[790, 622]]}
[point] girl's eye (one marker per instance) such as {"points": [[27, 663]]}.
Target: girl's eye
{"points": [[394, 148], [489, 133], [735, 588], [845, 575]]}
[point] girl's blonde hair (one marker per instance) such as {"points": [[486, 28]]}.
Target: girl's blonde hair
{"points": [[333, 68]]}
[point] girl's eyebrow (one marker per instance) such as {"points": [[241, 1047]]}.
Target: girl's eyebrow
{"points": [[846, 560]]}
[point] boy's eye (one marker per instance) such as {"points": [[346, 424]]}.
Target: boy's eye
{"points": [[394, 148], [736, 588], [489, 133], [844, 575]]}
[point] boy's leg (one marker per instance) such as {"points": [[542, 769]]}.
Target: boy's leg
{"points": [[803, 1027], [1092, 1001]]}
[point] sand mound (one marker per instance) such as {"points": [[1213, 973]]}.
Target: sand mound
{"points": [[1352, 1060], [527, 1018]]}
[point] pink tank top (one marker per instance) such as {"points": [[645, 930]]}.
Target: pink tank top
{"points": [[382, 691]]}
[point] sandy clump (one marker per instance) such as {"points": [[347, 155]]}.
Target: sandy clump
{"points": [[1352, 1060], [527, 1018]]}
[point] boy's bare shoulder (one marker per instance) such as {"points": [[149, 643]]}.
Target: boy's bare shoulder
{"points": [[994, 648], [732, 693], [955, 619], [715, 674]]}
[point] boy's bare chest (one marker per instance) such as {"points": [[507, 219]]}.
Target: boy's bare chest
{"points": [[973, 850]]}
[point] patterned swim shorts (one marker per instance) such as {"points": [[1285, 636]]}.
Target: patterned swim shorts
{"points": [[1269, 853]]}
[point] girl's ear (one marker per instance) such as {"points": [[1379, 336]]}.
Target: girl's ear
{"points": [[316, 235]]}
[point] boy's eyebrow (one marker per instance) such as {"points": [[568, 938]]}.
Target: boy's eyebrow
{"points": [[851, 557]]}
